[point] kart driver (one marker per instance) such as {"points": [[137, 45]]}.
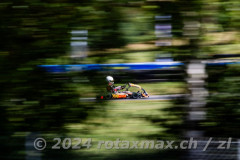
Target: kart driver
{"points": [[111, 88]]}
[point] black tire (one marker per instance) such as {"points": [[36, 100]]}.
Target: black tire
{"points": [[134, 95], [108, 96]]}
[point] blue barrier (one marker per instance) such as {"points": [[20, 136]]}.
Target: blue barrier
{"points": [[124, 66], [107, 67], [221, 63]]}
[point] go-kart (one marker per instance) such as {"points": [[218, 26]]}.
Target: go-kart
{"points": [[124, 94]]}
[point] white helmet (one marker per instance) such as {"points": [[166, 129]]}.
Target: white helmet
{"points": [[110, 79]]}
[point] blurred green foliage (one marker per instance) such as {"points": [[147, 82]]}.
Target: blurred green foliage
{"points": [[223, 106], [37, 32]]}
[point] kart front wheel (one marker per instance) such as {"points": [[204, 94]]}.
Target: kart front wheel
{"points": [[134, 95]]}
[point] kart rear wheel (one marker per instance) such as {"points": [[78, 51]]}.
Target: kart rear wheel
{"points": [[134, 95], [108, 96]]}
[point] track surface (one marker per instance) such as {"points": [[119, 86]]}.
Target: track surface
{"points": [[153, 97]]}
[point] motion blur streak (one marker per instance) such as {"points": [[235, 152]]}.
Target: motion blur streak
{"points": [[56, 54]]}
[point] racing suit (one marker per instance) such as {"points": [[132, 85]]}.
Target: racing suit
{"points": [[113, 89]]}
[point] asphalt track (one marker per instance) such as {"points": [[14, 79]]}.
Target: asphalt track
{"points": [[153, 97]]}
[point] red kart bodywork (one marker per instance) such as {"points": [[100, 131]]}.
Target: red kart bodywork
{"points": [[116, 96]]}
